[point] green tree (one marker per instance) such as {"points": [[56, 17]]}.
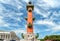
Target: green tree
{"points": [[46, 37], [53, 37], [41, 39]]}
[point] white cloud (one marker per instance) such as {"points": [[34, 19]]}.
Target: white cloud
{"points": [[26, 1], [19, 31], [55, 16], [37, 10], [52, 3], [3, 23], [1, 8], [18, 19], [7, 1], [53, 29], [42, 4], [41, 12], [6, 25], [47, 30], [15, 3], [19, 7], [11, 15], [19, 14], [52, 26], [56, 28], [47, 4], [25, 25], [1, 17], [4, 1], [44, 22]]}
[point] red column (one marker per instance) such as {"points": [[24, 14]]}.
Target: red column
{"points": [[30, 20]]}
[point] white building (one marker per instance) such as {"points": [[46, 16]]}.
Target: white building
{"points": [[8, 36]]}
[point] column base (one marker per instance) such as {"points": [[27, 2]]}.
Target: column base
{"points": [[29, 37]]}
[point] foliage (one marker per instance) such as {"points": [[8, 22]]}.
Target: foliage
{"points": [[53, 37], [41, 39], [46, 37], [26, 18], [37, 35], [22, 35], [33, 19], [29, 25]]}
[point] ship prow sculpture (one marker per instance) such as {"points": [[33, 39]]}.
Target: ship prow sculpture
{"points": [[29, 36]]}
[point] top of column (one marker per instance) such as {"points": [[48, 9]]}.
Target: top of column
{"points": [[30, 6]]}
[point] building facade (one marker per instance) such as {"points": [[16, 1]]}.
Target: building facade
{"points": [[8, 36]]}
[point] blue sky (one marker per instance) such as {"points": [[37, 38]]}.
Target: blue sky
{"points": [[46, 12]]}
